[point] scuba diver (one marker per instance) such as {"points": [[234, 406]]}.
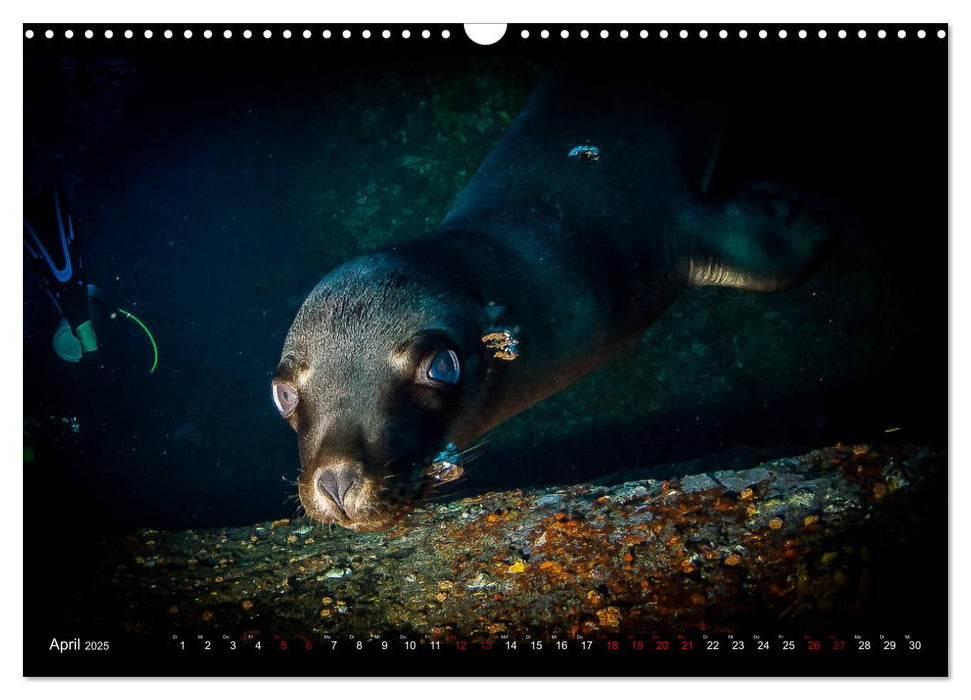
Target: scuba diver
{"points": [[48, 240]]}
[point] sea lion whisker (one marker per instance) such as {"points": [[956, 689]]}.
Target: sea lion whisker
{"points": [[468, 459], [475, 446], [438, 497]]}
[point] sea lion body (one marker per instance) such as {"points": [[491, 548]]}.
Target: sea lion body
{"points": [[578, 231]]}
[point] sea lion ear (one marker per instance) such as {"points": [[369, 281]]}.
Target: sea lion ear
{"points": [[502, 343]]}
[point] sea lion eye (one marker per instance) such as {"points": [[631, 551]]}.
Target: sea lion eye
{"points": [[445, 367], [285, 398]]}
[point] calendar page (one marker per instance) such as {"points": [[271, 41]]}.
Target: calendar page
{"points": [[509, 350]]}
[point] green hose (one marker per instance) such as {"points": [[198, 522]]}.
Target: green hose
{"points": [[137, 320]]}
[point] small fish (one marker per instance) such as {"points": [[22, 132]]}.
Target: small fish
{"points": [[585, 151], [504, 343], [447, 465]]}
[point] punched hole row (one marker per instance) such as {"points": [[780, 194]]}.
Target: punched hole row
{"points": [[229, 34], [724, 34], [445, 34]]}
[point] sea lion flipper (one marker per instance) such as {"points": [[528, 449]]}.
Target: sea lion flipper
{"points": [[765, 239]]}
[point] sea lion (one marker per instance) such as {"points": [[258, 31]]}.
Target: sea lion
{"points": [[578, 231]]}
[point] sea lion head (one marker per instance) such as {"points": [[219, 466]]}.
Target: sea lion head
{"points": [[377, 371]]}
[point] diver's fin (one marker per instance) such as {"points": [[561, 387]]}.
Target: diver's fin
{"points": [[61, 233], [66, 344], [87, 337], [764, 239]]}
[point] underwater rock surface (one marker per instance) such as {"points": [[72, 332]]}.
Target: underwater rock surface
{"points": [[818, 540]]}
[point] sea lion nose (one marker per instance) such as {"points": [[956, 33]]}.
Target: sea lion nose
{"points": [[336, 482]]}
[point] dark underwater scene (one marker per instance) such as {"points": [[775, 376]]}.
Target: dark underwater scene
{"points": [[754, 461]]}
